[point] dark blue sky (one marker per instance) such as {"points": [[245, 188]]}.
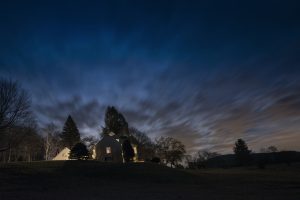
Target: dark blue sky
{"points": [[205, 73]]}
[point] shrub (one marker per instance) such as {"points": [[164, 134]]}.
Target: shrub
{"points": [[155, 160], [79, 152]]}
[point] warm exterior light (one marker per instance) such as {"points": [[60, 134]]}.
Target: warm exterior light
{"points": [[63, 154], [135, 150]]}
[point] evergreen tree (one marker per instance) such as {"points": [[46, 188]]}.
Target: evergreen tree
{"points": [[70, 135], [115, 122], [242, 152], [79, 152], [128, 152]]}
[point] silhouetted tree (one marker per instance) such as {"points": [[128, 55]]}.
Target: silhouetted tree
{"points": [[90, 142], [70, 135], [128, 152], [146, 148], [14, 107], [204, 155], [51, 140], [272, 149], [199, 160], [170, 150], [79, 152], [191, 161], [242, 152], [141, 137], [32, 145], [115, 122], [25, 145]]}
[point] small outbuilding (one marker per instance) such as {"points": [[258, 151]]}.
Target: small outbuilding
{"points": [[63, 154]]}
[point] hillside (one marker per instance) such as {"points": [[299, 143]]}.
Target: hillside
{"points": [[95, 180]]}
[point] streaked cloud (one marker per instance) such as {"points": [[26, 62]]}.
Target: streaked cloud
{"points": [[181, 70]]}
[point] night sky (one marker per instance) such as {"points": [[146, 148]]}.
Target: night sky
{"points": [[204, 73]]}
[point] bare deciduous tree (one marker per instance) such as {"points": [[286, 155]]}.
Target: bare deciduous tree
{"points": [[51, 140], [146, 148], [14, 106], [270, 149], [90, 141], [204, 155], [170, 150], [24, 143]]}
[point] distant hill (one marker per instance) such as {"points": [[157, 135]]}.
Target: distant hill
{"points": [[229, 160]]}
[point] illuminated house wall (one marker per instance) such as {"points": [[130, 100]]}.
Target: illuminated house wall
{"points": [[109, 148], [63, 154]]}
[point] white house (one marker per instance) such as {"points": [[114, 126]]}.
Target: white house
{"points": [[109, 148]]}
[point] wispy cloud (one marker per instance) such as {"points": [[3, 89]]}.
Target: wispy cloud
{"points": [[206, 78]]}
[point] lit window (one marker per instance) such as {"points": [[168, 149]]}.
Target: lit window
{"points": [[108, 150]]}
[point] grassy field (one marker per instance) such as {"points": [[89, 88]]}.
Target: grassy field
{"points": [[94, 180]]}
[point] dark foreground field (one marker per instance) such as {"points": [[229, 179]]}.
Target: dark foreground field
{"points": [[93, 180]]}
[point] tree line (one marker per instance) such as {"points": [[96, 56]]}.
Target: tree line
{"points": [[19, 139], [22, 140], [242, 157]]}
